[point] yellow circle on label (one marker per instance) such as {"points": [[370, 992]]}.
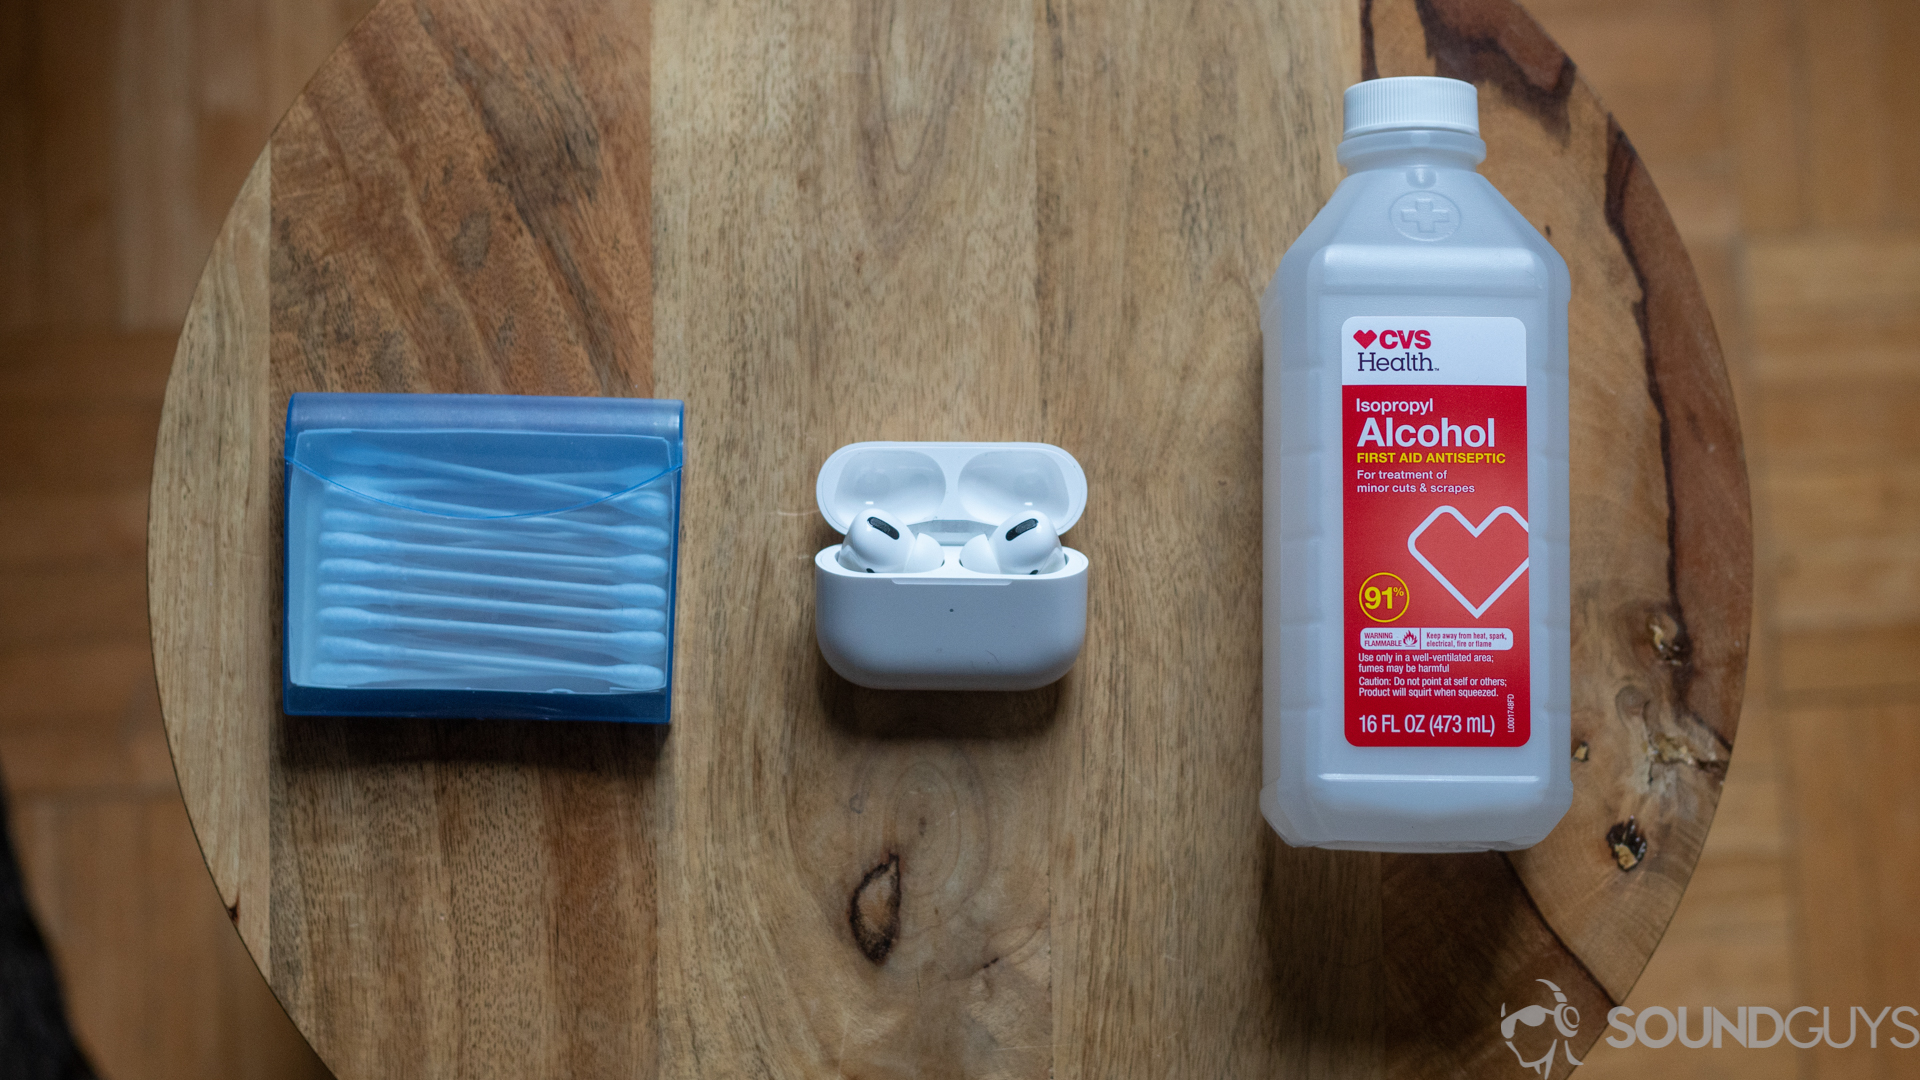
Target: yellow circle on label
{"points": [[1384, 597]]}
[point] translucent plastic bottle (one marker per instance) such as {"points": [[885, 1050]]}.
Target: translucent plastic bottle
{"points": [[1417, 647]]}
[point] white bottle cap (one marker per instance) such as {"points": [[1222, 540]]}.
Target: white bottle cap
{"points": [[1412, 101]]}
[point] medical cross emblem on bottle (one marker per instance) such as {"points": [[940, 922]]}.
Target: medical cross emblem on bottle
{"points": [[1425, 215]]}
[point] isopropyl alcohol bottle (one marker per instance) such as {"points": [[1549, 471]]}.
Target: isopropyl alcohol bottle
{"points": [[1417, 689]]}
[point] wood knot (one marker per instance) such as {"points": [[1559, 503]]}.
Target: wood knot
{"points": [[1669, 638], [1664, 749], [1629, 846], [874, 913]]}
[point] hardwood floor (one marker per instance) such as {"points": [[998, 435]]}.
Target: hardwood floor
{"points": [[156, 980], [1784, 135], [126, 127]]}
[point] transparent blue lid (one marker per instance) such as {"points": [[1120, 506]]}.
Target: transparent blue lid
{"points": [[465, 555]]}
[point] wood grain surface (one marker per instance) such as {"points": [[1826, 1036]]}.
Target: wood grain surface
{"points": [[824, 223]]}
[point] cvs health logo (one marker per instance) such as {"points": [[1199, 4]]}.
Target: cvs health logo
{"points": [[1395, 339]]}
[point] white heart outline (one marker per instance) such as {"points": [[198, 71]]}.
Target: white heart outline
{"points": [[1413, 548]]}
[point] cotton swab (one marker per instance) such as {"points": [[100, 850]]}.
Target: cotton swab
{"points": [[367, 570], [631, 618], [637, 676], [627, 641], [469, 677], [648, 565], [522, 531], [373, 677]]}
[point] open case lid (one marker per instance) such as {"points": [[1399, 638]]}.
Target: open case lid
{"points": [[984, 482], [484, 456]]}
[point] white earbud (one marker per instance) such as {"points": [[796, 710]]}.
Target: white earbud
{"points": [[977, 556], [926, 554], [1023, 544], [1026, 544], [880, 543]]}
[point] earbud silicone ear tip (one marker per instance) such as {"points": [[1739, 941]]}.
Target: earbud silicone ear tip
{"points": [[977, 556], [926, 555]]}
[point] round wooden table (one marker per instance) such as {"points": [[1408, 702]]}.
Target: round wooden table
{"points": [[825, 223]]}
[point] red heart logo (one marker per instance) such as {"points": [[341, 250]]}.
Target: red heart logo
{"points": [[1365, 337], [1471, 560]]}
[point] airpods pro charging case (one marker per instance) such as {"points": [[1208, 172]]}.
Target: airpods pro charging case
{"points": [[950, 628]]}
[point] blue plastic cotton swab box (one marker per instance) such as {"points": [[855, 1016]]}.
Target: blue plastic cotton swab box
{"points": [[468, 555]]}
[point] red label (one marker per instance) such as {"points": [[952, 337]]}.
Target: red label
{"points": [[1434, 481]]}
